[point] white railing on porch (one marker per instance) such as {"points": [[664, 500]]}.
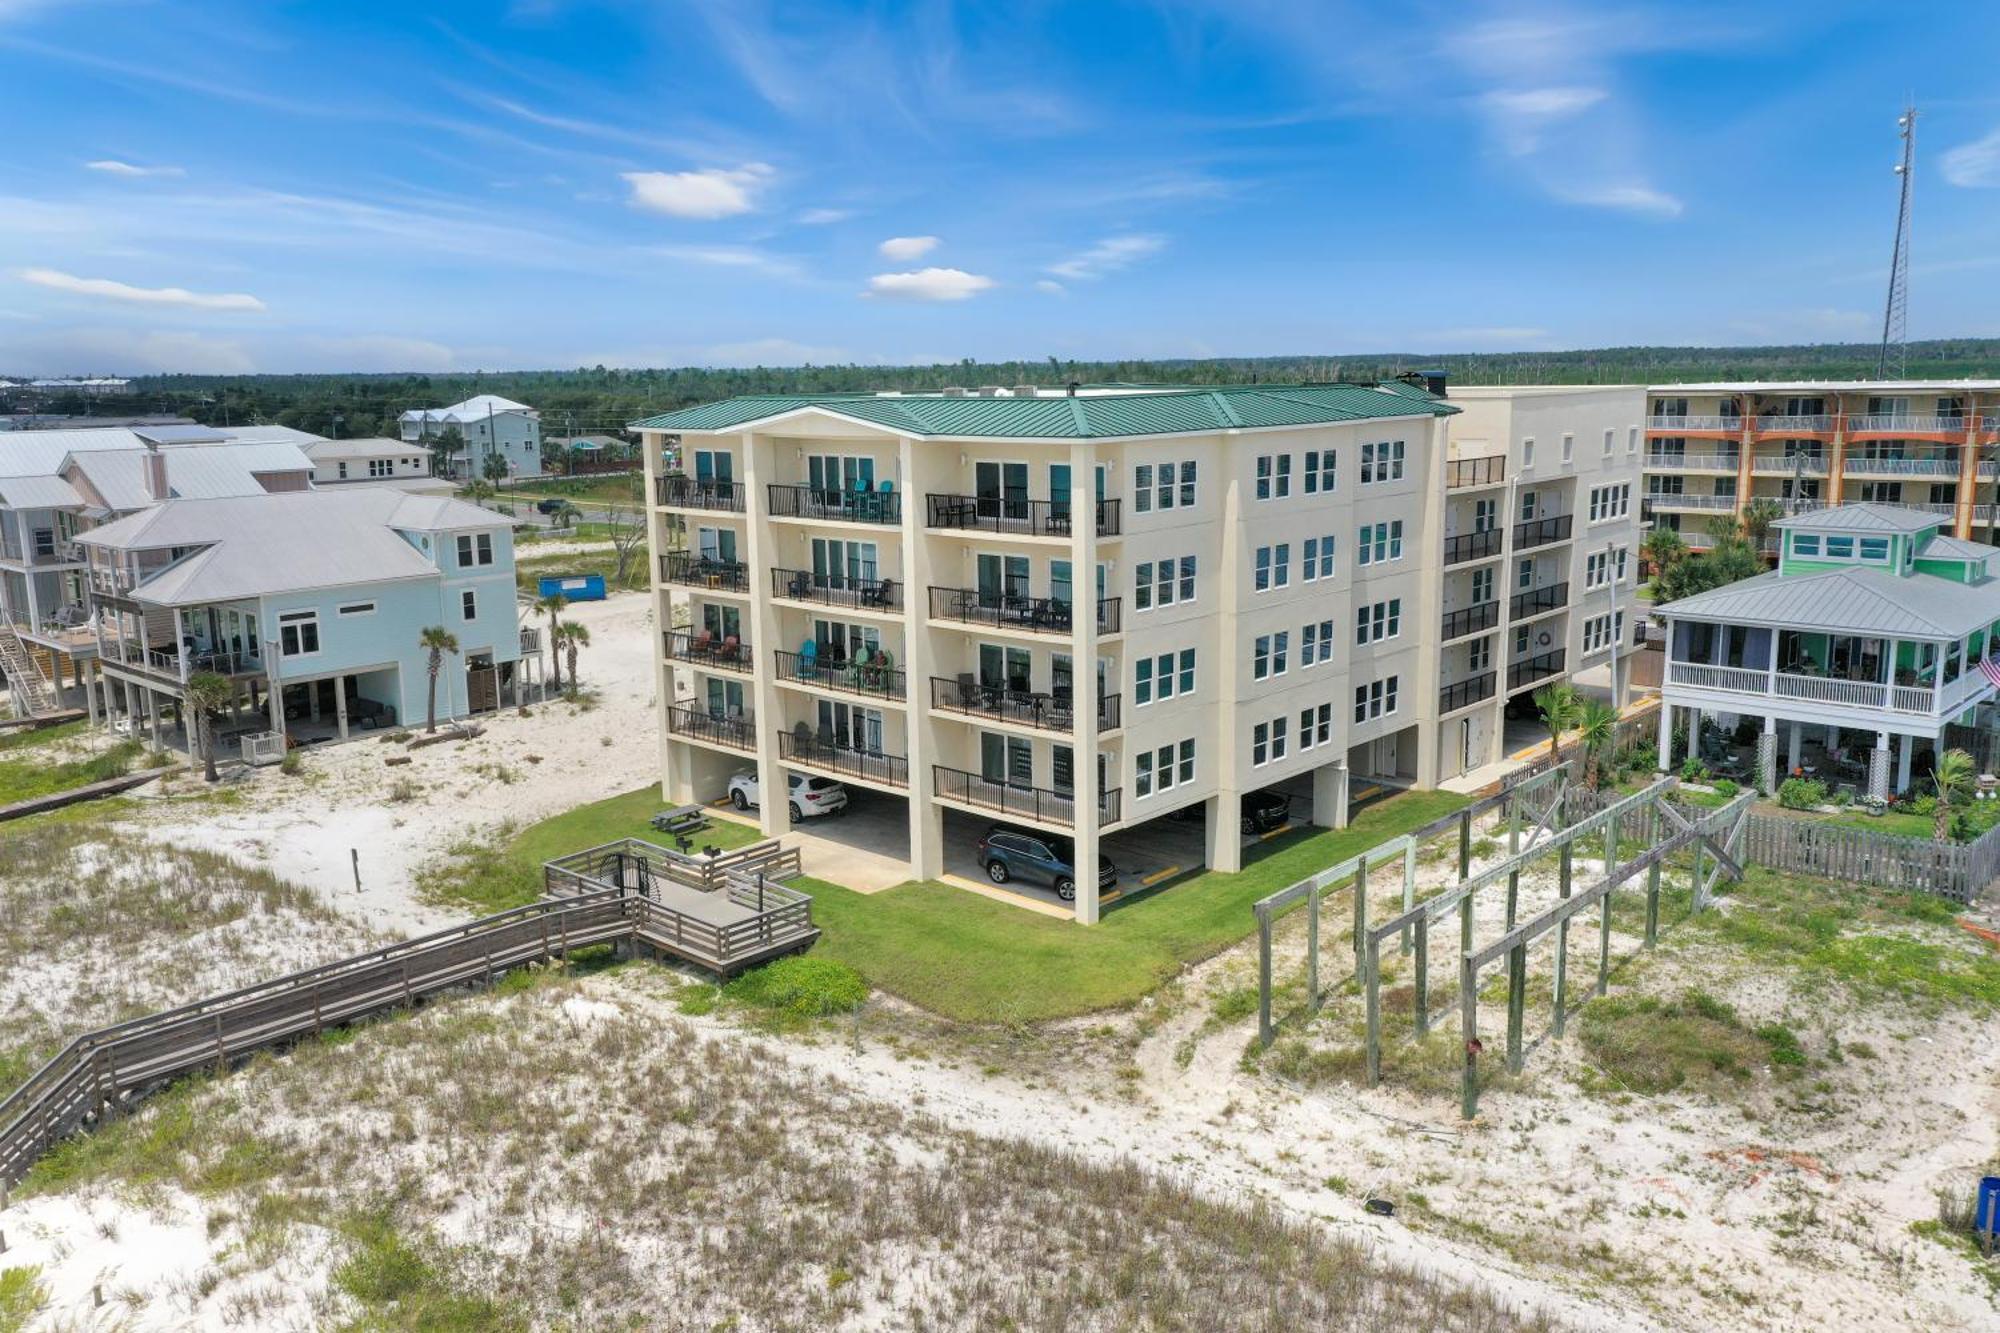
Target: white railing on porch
{"points": [[1954, 697]]}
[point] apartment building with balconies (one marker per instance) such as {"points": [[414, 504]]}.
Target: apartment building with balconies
{"points": [[1540, 544], [1075, 612], [1921, 444]]}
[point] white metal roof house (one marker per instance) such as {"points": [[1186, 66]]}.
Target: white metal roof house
{"points": [[378, 462], [1874, 626], [310, 603], [490, 425]]}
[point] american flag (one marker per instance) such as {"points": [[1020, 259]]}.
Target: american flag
{"points": [[1990, 668]]}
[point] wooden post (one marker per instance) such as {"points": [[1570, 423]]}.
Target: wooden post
{"points": [[1360, 904], [1421, 990], [1465, 843], [1513, 896], [1563, 870], [1372, 968], [1695, 883], [1604, 947], [1264, 978], [1652, 904], [1312, 949], [1610, 844], [1517, 1002], [1409, 888], [1465, 924], [1468, 1017]]}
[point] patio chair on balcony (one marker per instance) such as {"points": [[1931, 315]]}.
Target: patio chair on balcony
{"points": [[702, 644], [802, 738], [732, 649], [877, 593], [968, 690]]}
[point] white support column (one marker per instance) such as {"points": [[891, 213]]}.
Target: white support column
{"points": [[1767, 755], [1083, 675], [1798, 730], [340, 704], [1878, 768], [919, 663], [1903, 749], [1666, 746], [759, 469], [1330, 795]]}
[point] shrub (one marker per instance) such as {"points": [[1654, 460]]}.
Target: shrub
{"points": [[291, 764], [1921, 805], [801, 987], [403, 790], [1724, 787], [1692, 769], [1801, 793]]}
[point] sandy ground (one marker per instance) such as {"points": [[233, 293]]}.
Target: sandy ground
{"points": [[311, 827]]}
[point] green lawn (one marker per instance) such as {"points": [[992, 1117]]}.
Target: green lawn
{"points": [[25, 773], [971, 958], [530, 568]]}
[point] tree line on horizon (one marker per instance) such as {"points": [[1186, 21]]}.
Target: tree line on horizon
{"points": [[602, 399]]}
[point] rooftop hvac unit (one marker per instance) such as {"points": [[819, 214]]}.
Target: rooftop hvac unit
{"points": [[989, 391], [1024, 391], [954, 391]]}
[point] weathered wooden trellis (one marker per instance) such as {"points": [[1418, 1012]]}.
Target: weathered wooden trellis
{"points": [[1403, 848], [1717, 834]]}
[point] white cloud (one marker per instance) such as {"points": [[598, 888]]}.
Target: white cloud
{"points": [[903, 249], [1052, 287], [929, 284], [111, 166], [732, 256], [1630, 198], [820, 217], [702, 195], [125, 352], [1543, 101], [122, 291], [1974, 165], [1108, 256]]}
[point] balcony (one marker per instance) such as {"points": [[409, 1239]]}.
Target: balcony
{"points": [[1467, 692], [1712, 503], [1794, 426], [1461, 473], [738, 732], [1037, 803], [1687, 425], [1012, 517], [696, 570], [1789, 465], [1471, 619], [1536, 601], [1472, 546], [1912, 465], [1929, 700], [170, 664], [698, 493], [1535, 669], [1542, 531], [63, 553], [879, 507], [875, 678], [827, 755], [1897, 426], [804, 585], [1669, 461], [1053, 711], [1017, 611], [700, 648]]}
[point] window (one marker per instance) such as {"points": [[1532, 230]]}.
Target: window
{"points": [[1274, 566], [1305, 728], [1380, 543], [1631, 439], [1260, 744], [381, 467], [1610, 440], [1163, 676], [1142, 773], [1608, 502], [1142, 681], [1262, 579], [1318, 562], [1277, 738], [298, 633], [1482, 586], [468, 604], [1163, 492], [1374, 700], [1528, 506], [358, 609], [1163, 594], [1187, 484], [1324, 726], [343, 470], [1479, 654], [1308, 646], [1569, 447], [1840, 548], [1161, 583], [1142, 586], [1325, 640], [475, 549], [1262, 657], [1382, 620], [1187, 671], [1320, 473], [1142, 488], [1187, 578], [1382, 462], [1528, 452], [1602, 567], [1875, 548], [1187, 761], [1274, 476], [1600, 632], [1520, 641], [1525, 577]]}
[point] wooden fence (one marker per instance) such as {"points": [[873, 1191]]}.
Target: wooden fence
{"points": [[1956, 870]]}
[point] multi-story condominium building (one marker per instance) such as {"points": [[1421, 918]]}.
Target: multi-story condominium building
{"points": [[1926, 444], [1868, 637], [490, 426], [1540, 538], [958, 598], [311, 604]]}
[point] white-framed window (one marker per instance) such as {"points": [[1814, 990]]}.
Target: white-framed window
{"points": [[1142, 681], [298, 633], [1376, 699], [1524, 577], [1569, 448], [1187, 578], [357, 609], [1610, 440], [381, 467], [1323, 724], [1277, 739], [1308, 645], [1163, 582], [1603, 567], [1318, 559], [1142, 586], [1631, 439], [1380, 543], [1142, 774], [475, 549], [1260, 744], [1479, 654], [1600, 632], [1528, 452], [1608, 502], [1187, 761], [1187, 671], [1163, 676], [1305, 729], [468, 604], [1142, 488], [1273, 567], [1274, 476], [343, 470], [1267, 657], [1382, 461], [1187, 483], [1378, 621], [1321, 473]]}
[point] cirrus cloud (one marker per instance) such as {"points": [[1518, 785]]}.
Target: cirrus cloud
{"points": [[1109, 255], [111, 290], [111, 166], [1974, 165], [929, 284], [701, 195], [903, 249]]}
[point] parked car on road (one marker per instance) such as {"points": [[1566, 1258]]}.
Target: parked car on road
{"points": [[550, 505], [807, 796], [1262, 811], [1037, 858]]}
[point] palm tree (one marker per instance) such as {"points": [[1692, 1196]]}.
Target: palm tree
{"points": [[1665, 549], [1758, 516], [565, 515], [438, 641], [479, 491], [1557, 703], [205, 694], [552, 606], [573, 635], [1953, 776], [1597, 728]]}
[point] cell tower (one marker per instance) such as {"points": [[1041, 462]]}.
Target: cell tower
{"points": [[1896, 313]]}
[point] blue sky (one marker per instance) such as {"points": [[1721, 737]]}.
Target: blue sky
{"points": [[227, 186]]}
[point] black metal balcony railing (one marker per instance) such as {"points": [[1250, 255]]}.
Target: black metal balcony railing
{"points": [[1038, 803], [1024, 518], [699, 493], [1047, 711], [1535, 668], [885, 507], [704, 571], [1042, 615], [1537, 600], [703, 649], [804, 585], [824, 752], [1476, 472], [1467, 692], [1472, 546], [1471, 619], [738, 732], [1542, 531], [875, 678]]}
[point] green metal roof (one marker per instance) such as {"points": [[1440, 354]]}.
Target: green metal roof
{"points": [[1085, 417]]}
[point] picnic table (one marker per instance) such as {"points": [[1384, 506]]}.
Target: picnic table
{"points": [[681, 820]]}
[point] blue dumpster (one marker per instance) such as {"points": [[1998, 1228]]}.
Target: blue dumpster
{"points": [[574, 587]]}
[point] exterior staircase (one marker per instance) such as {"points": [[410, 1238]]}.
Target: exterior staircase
{"points": [[33, 694]]}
